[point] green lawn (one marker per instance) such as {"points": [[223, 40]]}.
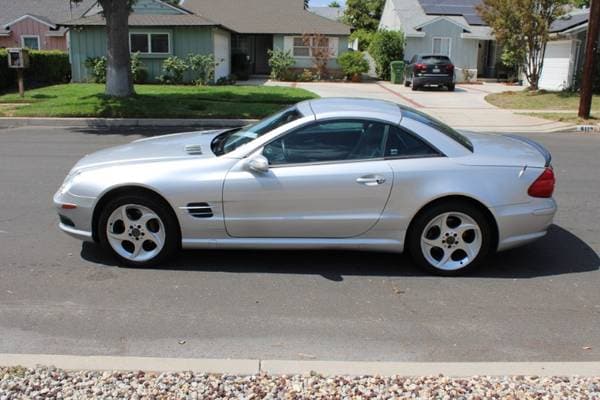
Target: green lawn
{"points": [[541, 100], [566, 117], [153, 101]]}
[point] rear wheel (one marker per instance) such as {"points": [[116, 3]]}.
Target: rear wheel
{"points": [[406, 82], [139, 231], [451, 87], [450, 238], [414, 84]]}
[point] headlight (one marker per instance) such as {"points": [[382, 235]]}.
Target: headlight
{"points": [[68, 182]]}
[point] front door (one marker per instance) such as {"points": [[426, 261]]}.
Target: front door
{"points": [[327, 180], [262, 45]]}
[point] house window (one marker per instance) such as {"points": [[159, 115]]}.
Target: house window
{"points": [[303, 49], [150, 43], [31, 42], [441, 46]]}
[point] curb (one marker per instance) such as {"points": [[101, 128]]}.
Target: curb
{"points": [[291, 367], [13, 122]]}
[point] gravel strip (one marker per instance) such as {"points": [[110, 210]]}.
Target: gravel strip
{"points": [[53, 383]]}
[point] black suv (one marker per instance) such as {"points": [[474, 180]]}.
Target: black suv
{"points": [[429, 69]]}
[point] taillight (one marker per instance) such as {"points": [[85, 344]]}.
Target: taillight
{"points": [[543, 185], [450, 68], [421, 67]]}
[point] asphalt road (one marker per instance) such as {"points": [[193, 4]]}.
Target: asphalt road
{"points": [[537, 303]]}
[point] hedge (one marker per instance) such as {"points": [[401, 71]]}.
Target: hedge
{"points": [[46, 67]]}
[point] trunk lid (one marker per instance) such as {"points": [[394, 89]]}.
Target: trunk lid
{"points": [[506, 151]]}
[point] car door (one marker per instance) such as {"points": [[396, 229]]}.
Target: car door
{"points": [[327, 179]]}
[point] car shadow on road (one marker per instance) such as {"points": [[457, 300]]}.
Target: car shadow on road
{"points": [[560, 252]]}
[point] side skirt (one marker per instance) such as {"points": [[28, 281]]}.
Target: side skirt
{"points": [[386, 245]]}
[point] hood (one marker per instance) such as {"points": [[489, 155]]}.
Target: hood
{"points": [[162, 148], [506, 151]]}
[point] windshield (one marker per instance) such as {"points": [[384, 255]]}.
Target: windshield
{"points": [[435, 59], [235, 138]]}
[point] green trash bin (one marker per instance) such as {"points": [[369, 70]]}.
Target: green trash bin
{"points": [[397, 72]]}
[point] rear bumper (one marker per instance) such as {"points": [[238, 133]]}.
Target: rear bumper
{"points": [[520, 224], [433, 80]]}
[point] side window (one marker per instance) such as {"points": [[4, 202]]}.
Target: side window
{"points": [[403, 144], [329, 141]]}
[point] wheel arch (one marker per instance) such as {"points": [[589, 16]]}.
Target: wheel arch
{"points": [[465, 199], [113, 193]]}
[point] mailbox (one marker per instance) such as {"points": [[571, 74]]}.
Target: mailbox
{"points": [[18, 58]]}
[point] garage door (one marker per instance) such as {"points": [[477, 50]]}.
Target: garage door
{"points": [[557, 71]]}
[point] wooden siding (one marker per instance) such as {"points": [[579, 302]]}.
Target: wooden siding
{"points": [[91, 42], [31, 27], [278, 43]]}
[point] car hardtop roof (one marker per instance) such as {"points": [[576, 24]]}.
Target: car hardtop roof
{"points": [[355, 107]]}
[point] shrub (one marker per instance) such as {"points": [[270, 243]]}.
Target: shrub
{"points": [[280, 62], [138, 71], [97, 69], [386, 46], [353, 63], [230, 79], [204, 66], [306, 75], [46, 67], [174, 67]]}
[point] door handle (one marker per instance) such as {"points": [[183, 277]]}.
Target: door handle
{"points": [[371, 180]]}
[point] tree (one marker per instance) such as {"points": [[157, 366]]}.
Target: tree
{"points": [[119, 82], [335, 4], [522, 28], [363, 14], [386, 46]]}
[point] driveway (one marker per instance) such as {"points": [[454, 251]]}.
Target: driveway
{"points": [[57, 296], [465, 108]]}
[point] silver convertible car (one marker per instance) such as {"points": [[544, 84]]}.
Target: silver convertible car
{"points": [[340, 173]]}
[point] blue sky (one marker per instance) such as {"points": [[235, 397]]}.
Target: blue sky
{"points": [[318, 3]]}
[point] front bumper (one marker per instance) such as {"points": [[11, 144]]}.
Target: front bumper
{"points": [[75, 214], [520, 224]]}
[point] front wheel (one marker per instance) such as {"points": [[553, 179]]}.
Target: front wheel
{"points": [[450, 239], [138, 230]]}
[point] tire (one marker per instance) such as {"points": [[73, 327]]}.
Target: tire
{"points": [[129, 224], [441, 237], [451, 87], [406, 82], [414, 85]]}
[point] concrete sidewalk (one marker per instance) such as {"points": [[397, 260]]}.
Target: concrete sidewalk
{"points": [[293, 367], [464, 108]]}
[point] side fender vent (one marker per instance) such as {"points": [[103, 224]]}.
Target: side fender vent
{"points": [[199, 210]]}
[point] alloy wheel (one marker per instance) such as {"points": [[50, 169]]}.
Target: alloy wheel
{"points": [[451, 241], [135, 232]]}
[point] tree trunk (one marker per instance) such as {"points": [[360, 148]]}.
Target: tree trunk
{"points": [[119, 82]]}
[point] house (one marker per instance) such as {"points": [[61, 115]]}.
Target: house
{"points": [[565, 51], [34, 23], [234, 35], [452, 28]]}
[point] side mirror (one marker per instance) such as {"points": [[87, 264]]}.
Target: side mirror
{"points": [[259, 164]]}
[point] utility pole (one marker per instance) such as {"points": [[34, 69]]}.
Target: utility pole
{"points": [[591, 48]]}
